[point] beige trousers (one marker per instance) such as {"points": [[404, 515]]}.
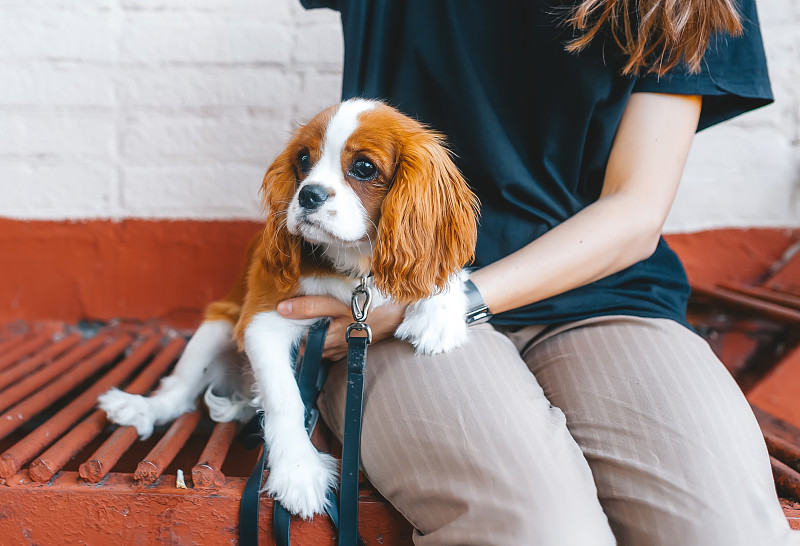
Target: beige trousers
{"points": [[612, 430]]}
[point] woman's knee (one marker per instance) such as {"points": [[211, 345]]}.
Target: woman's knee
{"points": [[468, 448], [673, 446]]}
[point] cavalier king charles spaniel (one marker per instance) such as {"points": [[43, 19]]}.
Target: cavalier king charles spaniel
{"points": [[359, 190]]}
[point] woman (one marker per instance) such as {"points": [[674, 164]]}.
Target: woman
{"points": [[587, 412]]}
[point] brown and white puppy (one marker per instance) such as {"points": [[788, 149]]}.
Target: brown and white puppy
{"points": [[361, 189]]}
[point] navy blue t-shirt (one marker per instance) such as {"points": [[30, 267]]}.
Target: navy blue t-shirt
{"points": [[532, 125]]}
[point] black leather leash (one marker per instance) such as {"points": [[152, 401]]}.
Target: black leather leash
{"points": [[310, 375], [354, 408]]}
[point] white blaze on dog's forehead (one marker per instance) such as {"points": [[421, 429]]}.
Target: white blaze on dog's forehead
{"points": [[342, 216], [343, 124]]}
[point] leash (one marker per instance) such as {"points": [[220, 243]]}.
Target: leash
{"points": [[310, 375], [354, 408]]}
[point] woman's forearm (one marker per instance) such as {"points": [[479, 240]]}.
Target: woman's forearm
{"points": [[622, 227], [598, 241]]}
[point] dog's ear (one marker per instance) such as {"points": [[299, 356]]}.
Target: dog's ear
{"points": [[427, 229], [281, 256]]}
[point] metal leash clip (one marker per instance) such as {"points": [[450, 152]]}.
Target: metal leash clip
{"points": [[360, 310]]}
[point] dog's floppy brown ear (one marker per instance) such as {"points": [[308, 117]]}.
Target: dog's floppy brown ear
{"points": [[281, 254], [428, 228]]}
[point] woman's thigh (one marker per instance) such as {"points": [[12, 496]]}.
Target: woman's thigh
{"points": [[467, 447], [675, 451]]}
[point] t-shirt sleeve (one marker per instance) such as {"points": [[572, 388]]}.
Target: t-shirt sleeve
{"points": [[733, 78], [313, 4]]}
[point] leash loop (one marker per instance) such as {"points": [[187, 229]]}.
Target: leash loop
{"points": [[359, 306], [361, 310]]}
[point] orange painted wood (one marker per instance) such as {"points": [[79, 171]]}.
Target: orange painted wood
{"points": [[23, 368], [9, 357], [109, 453], [130, 269], [787, 480], [786, 452], [731, 255], [32, 383], [207, 473], [51, 461], [778, 392], [786, 276], [54, 459], [12, 341], [103, 460], [13, 458], [773, 296], [37, 402], [750, 303], [68, 511], [151, 467]]}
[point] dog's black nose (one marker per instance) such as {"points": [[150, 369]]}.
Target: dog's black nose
{"points": [[312, 196]]}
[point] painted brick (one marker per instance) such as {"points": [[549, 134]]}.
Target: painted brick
{"points": [[192, 92], [320, 45], [65, 135], [186, 87], [319, 91], [203, 39], [187, 191], [729, 152], [274, 10], [56, 84], [56, 190], [154, 137], [31, 34], [777, 11], [783, 52], [66, 5], [734, 175], [311, 16]]}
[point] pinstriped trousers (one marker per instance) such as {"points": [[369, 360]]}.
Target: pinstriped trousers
{"points": [[613, 430]]}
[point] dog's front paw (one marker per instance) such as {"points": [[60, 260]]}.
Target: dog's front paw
{"points": [[436, 325], [432, 338], [128, 409], [301, 483]]}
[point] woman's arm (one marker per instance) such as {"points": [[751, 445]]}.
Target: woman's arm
{"points": [[622, 227]]}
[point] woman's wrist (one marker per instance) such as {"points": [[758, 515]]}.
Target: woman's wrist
{"points": [[477, 310]]}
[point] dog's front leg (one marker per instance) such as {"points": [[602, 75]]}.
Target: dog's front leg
{"points": [[436, 324], [299, 476]]}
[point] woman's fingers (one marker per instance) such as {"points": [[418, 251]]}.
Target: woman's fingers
{"points": [[306, 307], [383, 320]]}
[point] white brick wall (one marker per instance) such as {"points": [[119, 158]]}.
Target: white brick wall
{"points": [[174, 108]]}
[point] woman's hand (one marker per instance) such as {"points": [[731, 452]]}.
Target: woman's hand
{"points": [[383, 320]]}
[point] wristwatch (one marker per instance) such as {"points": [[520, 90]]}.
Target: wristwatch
{"points": [[477, 311]]}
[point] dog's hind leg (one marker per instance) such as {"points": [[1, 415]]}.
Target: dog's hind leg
{"points": [[230, 396], [203, 362]]}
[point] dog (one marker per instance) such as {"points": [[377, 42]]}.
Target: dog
{"points": [[360, 190]]}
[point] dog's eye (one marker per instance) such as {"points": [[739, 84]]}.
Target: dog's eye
{"points": [[363, 170], [304, 162]]}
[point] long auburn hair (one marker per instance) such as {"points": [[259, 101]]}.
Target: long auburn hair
{"points": [[654, 35]]}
